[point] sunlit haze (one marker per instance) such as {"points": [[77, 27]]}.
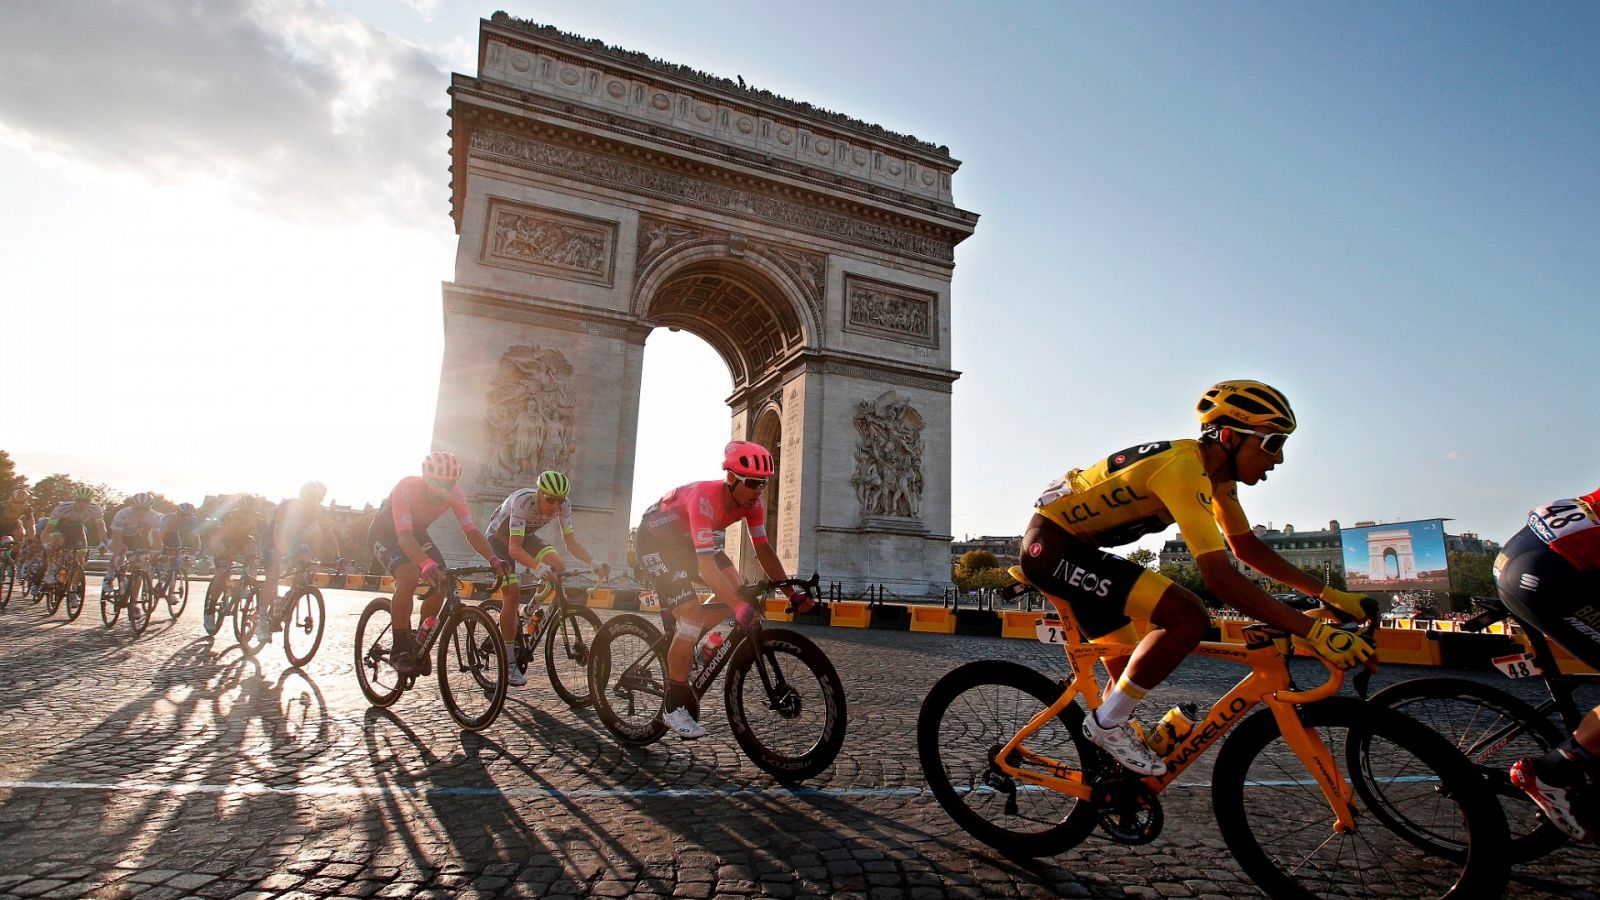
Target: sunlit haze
{"points": [[225, 227]]}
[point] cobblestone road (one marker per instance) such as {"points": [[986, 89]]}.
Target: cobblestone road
{"points": [[171, 766]]}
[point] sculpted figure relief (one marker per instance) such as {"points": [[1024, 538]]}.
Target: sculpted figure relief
{"points": [[888, 476], [530, 414]]}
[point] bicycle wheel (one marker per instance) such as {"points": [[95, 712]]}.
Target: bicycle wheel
{"points": [[967, 718], [793, 725], [1493, 729], [480, 639], [52, 596], [1277, 824], [466, 667], [212, 612], [8, 581], [628, 679], [110, 597], [374, 646], [247, 612], [177, 594], [303, 618], [74, 599], [567, 645], [138, 610]]}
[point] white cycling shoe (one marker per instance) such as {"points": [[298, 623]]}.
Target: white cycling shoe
{"points": [[683, 724], [514, 676], [1124, 746]]}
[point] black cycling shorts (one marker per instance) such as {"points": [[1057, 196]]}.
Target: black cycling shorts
{"points": [[672, 567], [385, 543], [1096, 584], [1548, 593], [531, 544]]}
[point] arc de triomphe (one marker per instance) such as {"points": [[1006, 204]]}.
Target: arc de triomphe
{"points": [[599, 194]]}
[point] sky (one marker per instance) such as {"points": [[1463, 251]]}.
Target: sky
{"points": [[224, 227]]}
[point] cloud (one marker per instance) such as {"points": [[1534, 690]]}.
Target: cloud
{"points": [[1452, 454], [302, 110]]}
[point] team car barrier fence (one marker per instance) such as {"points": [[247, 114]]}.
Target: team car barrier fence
{"points": [[1420, 642]]}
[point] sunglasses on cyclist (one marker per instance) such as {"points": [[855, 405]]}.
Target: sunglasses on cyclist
{"points": [[1271, 441], [443, 485], [754, 484]]}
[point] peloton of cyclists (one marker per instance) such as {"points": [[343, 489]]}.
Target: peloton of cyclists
{"points": [[287, 537], [1142, 490], [233, 530], [512, 535], [400, 542], [1548, 574], [675, 547]]}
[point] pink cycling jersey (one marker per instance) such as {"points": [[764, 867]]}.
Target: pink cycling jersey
{"points": [[414, 509], [700, 509], [1571, 528]]}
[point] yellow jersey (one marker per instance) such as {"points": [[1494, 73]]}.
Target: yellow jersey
{"points": [[1142, 490]]}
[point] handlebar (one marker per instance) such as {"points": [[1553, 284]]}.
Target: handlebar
{"points": [[755, 589]]}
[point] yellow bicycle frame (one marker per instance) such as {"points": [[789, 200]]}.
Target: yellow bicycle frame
{"points": [[1268, 682]]}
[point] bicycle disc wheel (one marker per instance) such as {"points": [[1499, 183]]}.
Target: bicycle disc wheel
{"points": [[1278, 825], [374, 646], [628, 679], [303, 619], [566, 654], [110, 608], [1493, 729], [211, 613], [967, 718], [74, 598], [247, 611], [794, 725], [177, 594], [138, 610], [466, 667]]}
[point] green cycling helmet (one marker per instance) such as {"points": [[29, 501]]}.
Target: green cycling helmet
{"points": [[554, 484]]}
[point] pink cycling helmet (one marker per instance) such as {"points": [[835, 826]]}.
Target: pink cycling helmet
{"points": [[441, 464], [747, 460]]}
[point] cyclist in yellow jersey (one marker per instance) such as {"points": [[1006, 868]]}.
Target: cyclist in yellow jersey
{"points": [[1141, 491]]}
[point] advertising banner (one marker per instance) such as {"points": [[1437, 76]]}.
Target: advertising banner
{"points": [[1398, 556]]}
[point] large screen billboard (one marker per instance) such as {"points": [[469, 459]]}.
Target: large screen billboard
{"points": [[1399, 556]]}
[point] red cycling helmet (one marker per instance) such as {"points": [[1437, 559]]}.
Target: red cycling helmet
{"points": [[747, 460], [441, 464]]}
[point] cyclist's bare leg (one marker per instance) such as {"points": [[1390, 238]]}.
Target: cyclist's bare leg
{"points": [[406, 578], [699, 618], [510, 618]]}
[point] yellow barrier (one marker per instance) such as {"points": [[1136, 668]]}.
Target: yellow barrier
{"points": [[1019, 623], [933, 619], [849, 615], [1409, 646], [778, 610], [602, 598]]}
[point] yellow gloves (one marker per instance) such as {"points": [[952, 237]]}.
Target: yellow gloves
{"points": [[1344, 601], [1345, 649]]}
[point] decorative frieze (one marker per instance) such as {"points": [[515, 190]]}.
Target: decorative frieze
{"points": [[530, 417], [549, 242], [892, 311], [808, 270], [568, 162]]}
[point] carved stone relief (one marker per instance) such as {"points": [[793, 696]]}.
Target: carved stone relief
{"points": [[888, 476], [808, 270], [491, 143], [891, 311], [545, 241], [530, 416]]}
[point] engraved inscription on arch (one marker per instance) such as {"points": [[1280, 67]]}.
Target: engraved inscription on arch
{"points": [[549, 242], [890, 311]]}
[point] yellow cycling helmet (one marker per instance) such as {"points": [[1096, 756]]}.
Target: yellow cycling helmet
{"points": [[554, 484], [1249, 405]]}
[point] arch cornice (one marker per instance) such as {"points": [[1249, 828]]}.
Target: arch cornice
{"points": [[675, 261]]}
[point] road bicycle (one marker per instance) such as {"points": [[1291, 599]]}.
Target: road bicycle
{"points": [[62, 582], [300, 614], [472, 674], [1315, 795], [227, 589], [8, 575], [1494, 728], [564, 628], [170, 581], [130, 586], [784, 700]]}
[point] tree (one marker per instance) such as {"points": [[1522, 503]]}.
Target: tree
{"points": [[1471, 574], [54, 490], [9, 482], [979, 569], [1145, 557]]}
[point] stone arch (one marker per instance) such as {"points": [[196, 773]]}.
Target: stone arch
{"points": [[744, 306]]}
